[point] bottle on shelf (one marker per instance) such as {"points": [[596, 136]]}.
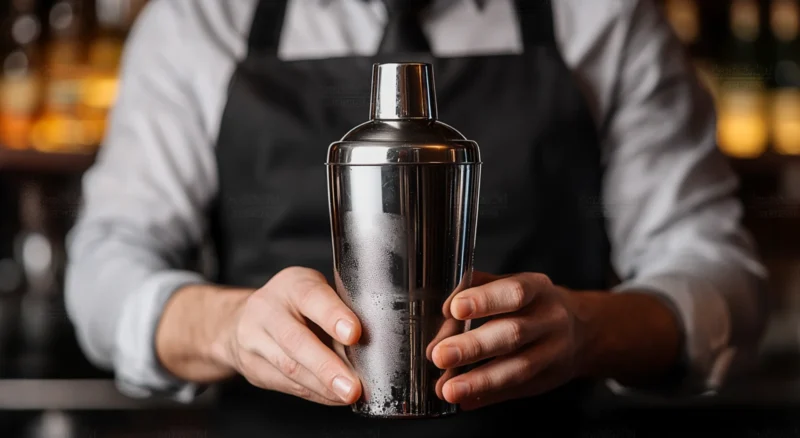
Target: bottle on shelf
{"points": [[60, 129], [743, 129], [37, 251], [20, 84], [113, 19], [785, 25]]}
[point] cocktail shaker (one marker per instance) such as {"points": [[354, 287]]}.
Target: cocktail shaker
{"points": [[403, 190]]}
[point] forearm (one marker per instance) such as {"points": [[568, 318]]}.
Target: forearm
{"points": [[192, 321], [632, 338]]}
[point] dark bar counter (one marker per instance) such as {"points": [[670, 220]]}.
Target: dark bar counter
{"points": [[723, 421], [766, 405]]}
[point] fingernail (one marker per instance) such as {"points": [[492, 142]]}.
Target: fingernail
{"points": [[459, 390], [449, 356], [464, 307], [342, 387], [344, 329]]}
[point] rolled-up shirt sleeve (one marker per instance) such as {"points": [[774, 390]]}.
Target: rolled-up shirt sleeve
{"points": [[670, 199], [144, 209]]}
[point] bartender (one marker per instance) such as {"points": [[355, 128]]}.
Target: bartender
{"points": [[599, 155]]}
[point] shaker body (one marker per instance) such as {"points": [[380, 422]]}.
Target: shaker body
{"points": [[403, 242]]}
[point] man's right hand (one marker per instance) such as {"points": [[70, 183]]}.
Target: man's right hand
{"points": [[268, 336], [269, 342]]}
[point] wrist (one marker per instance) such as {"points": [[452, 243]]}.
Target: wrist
{"points": [[633, 338], [227, 305], [189, 333]]}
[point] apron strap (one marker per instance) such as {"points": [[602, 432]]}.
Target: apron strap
{"points": [[536, 22], [265, 33]]}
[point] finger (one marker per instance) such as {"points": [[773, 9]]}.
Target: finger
{"points": [[319, 303], [497, 375], [450, 327], [476, 278], [261, 344], [544, 382], [300, 344], [480, 278], [497, 337], [447, 375], [262, 374], [505, 295], [501, 374]]}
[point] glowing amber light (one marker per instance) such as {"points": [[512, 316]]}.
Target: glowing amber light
{"points": [[743, 131], [683, 15], [100, 91], [14, 130], [19, 98], [744, 20], [60, 133], [786, 122], [785, 19]]}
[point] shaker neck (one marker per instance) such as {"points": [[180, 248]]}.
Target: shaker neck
{"points": [[403, 91]]}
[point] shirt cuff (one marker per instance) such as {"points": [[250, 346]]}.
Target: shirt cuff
{"points": [[137, 369], [706, 328]]}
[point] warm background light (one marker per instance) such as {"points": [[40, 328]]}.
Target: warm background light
{"points": [[786, 122], [743, 131]]}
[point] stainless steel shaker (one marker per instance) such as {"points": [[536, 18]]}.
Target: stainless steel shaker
{"points": [[403, 191]]}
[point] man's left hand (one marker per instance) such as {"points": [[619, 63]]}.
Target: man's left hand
{"points": [[534, 338]]}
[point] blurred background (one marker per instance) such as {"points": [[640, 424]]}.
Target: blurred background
{"points": [[59, 61]]}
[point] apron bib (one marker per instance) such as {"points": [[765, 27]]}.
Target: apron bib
{"points": [[540, 191]]}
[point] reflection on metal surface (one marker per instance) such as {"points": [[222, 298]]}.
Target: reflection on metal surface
{"points": [[403, 91], [403, 202]]}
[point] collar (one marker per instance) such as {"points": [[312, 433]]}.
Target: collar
{"points": [[481, 4]]}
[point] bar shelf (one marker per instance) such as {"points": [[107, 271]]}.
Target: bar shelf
{"points": [[55, 163]]}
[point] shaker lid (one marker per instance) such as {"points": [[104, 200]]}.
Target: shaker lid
{"points": [[403, 126]]}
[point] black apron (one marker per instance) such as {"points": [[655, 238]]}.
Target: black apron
{"points": [[539, 208]]}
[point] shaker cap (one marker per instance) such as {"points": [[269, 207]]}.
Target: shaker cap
{"points": [[403, 126], [403, 91]]}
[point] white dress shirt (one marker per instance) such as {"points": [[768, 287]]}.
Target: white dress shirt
{"points": [[668, 195]]}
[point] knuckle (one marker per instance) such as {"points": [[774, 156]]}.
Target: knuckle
{"points": [[515, 334], [285, 280], [291, 271], [516, 294], [539, 279], [560, 316], [531, 366], [525, 373], [254, 301], [290, 338], [288, 366], [482, 302], [485, 382], [302, 296], [307, 294], [317, 291], [476, 348], [256, 306]]}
